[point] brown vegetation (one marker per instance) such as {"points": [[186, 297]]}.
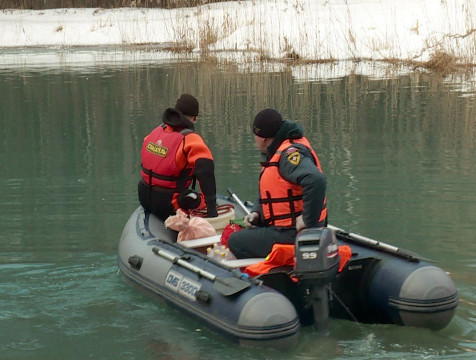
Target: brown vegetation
{"points": [[106, 4], [442, 61]]}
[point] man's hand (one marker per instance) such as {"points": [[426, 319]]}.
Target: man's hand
{"points": [[300, 223], [251, 220]]}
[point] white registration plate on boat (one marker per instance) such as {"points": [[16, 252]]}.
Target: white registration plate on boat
{"points": [[182, 284]]}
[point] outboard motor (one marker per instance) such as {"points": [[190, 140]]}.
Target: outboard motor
{"points": [[317, 261]]}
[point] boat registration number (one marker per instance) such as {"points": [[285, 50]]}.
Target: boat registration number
{"points": [[182, 285]]}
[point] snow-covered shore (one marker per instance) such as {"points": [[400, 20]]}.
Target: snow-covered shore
{"points": [[245, 32], [312, 29]]}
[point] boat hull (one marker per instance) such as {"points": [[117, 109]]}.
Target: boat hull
{"points": [[242, 310], [381, 287], [379, 284]]}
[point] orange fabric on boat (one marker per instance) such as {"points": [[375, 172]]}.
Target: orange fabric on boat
{"points": [[280, 255], [345, 253], [283, 255]]}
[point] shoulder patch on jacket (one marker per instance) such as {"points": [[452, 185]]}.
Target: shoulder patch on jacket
{"points": [[294, 157]]}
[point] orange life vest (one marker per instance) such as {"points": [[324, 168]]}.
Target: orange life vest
{"points": [[281, 201], [158, 154], [283, 255]]}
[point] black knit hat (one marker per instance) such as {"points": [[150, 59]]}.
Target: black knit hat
{"points": [[267, 123], [187, 105]]}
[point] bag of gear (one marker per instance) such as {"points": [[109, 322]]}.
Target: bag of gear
{"points": [[189, 229]]}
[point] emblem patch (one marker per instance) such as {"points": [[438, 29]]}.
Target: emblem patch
{"points": [[157, 149], [294, 158]]}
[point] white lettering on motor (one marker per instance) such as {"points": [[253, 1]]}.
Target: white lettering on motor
{"points": [[309, 255]]}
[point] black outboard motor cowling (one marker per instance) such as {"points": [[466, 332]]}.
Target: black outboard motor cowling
{"points": [[316, 264], [317, 255]]}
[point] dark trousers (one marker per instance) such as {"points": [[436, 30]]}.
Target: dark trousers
{"points": [[258, 242], [156, 200]]}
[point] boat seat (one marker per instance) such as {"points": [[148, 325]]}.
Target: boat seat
{"points": [[202, 242], [239, 263], [209, 241]]}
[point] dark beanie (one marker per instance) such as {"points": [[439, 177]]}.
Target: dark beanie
{"points": [[187, 105], [267, 123]]}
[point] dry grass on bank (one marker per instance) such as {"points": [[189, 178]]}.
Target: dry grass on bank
{"points": [[444, 57], [105, 4], [442, 62]]}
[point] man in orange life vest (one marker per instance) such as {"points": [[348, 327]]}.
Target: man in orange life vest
{"points": [[173, 156], [291, 188]]}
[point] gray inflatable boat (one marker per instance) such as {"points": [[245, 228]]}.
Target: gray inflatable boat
{"points": [[378, 284]]}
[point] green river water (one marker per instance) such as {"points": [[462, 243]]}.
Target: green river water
{"points": [[398, 153]]}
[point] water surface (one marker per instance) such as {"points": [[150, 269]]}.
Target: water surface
{"points": [[398, 154]]}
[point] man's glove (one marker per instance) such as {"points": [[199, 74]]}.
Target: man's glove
{"points": [[251, 220], [300, 223]]}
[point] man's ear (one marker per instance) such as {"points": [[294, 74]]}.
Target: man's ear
{"points": [[268, 141]]}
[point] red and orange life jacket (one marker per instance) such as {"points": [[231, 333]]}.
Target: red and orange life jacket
{"points": [[281, 201], [159, 166]]}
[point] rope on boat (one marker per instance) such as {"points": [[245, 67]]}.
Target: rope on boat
{"points": [[221, 209]]}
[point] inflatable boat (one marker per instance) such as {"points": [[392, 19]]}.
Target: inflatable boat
{"points": [[377, 283]]}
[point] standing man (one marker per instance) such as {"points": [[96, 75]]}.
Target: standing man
{"points": [[174, 156], [291, 188]]}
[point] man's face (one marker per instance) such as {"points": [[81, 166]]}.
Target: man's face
{"points": [[261, 143]]}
